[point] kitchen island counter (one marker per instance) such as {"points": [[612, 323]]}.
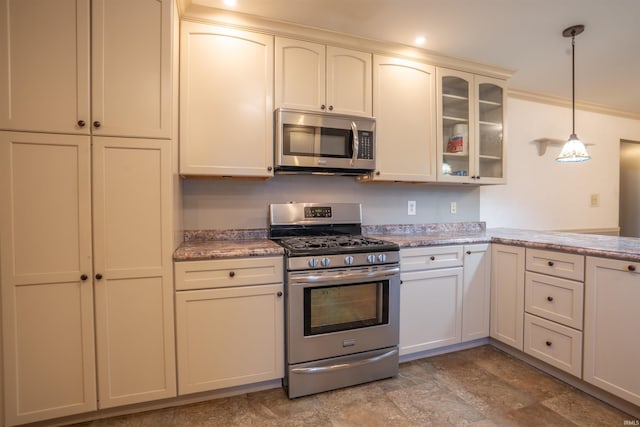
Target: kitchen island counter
{"points": [[613, 247]]}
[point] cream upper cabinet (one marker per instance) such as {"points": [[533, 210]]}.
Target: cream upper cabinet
{"points": [[133, 270], [54, 277], [404, 108], [315, 77], [470, 132], [131, 65], [611, 324], [507, 294], [46, 271], [226, 102], [50, 71], [45, 76]]}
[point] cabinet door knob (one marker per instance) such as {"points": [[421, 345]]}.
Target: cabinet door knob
{"points": [[279, 293], [232, 273], [81, 123], [432, 258], [84, 277], [549, 299], [98, 276], [631, 268], [330, 107], [548, 343], [269, 168], [550, 263], [323, 107], [468, 252], [97, 124], [378, 173]]}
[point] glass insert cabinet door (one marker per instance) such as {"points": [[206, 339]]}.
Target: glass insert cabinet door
{"points": [[470, 132], [490, 130], [455, 139]]}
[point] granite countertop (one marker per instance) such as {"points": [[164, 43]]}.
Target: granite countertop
{"points": [[206, 245], [216, 244]]}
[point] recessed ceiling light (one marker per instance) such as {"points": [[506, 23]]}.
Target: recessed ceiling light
{"points": [[420, 40], [230, 3]]}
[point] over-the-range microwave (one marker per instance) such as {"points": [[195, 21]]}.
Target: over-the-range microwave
{"points": [[313, 142]]}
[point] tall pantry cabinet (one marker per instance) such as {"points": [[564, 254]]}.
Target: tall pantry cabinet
{"points": [[85, 223]]}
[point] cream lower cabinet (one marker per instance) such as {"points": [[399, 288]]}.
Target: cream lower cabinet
{"points": [[430, 298], [476, 293], [553, 308], [133, 270], [611, 324], [404, 108], [55, 279], [226, 102], [507, 294], [230, 322]]}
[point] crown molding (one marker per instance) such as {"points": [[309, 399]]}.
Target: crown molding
{"points": [[204, 14], [566, 102]]}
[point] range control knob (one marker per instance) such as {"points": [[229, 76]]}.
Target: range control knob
{"points": [[348, 260], [382, 257], [325, 262], [313, 263], [371, 259]]}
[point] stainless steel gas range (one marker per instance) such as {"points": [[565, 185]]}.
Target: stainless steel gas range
{"points": [[342, 293]]}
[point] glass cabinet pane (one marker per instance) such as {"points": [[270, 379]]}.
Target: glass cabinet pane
{"points": [[490, 125], [455, 126]]}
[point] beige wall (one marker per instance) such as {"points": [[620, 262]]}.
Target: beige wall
{"points": [[544, 194], [221, 204]]}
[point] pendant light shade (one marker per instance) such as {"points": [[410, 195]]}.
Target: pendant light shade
{"points": [[573, 150]]}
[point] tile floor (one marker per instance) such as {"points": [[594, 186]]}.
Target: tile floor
{"points": [[480, 387]]}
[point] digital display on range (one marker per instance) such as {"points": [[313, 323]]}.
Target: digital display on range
{"points": [[317, 212]]}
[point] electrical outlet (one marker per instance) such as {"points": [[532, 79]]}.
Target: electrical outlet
{"points": [[411, 207], [595, 200], [454, 208]]}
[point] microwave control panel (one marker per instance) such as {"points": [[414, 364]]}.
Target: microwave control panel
{"points": [[365, 150]]}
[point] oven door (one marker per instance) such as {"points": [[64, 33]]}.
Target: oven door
{"points": [[341, 311]]}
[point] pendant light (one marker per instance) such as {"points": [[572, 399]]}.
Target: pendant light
{"points": [[573, 150]]}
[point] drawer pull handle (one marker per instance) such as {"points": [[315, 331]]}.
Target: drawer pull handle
{"points": [[432, 258], [631, 268], [549, 299], [232, 273], [548, 343], [550, 263]]}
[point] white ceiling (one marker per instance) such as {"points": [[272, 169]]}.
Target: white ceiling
{"points": [[524, 35]]}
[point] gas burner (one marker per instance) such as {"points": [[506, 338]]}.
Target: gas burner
{"points": [[332, 244]]}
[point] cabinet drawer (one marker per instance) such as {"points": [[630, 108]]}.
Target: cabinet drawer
{"points": [[228, 272], [568, 266], [553, 343], [413, 259], [554, 299]]}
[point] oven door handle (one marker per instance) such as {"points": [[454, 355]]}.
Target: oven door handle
{"points": [[343, 275], [340, 366]]}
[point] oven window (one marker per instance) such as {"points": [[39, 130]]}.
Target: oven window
{"points": [[343, 307]]}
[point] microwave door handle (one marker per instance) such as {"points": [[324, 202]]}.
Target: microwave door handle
{"points": [[355, 143]]}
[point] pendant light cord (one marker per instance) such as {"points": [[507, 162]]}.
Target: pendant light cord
{"points": [[573, 82]]}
